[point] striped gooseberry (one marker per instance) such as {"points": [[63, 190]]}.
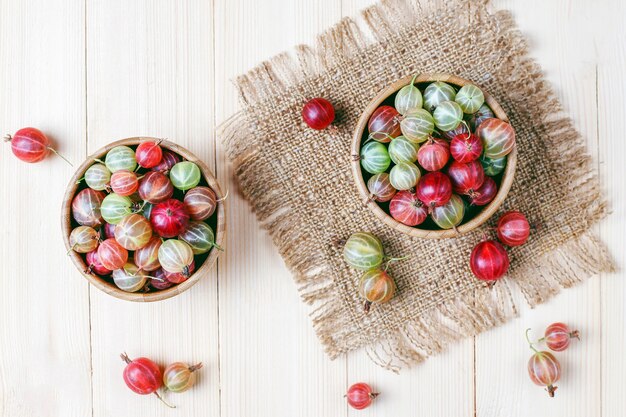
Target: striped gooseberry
{"points": [[466, 178], [406, 208], [558, 336], [318, 113], [466, 148], [200, 203], [485, 193], [513, 228], [543, 368], [380, 187], [489, 261], [87, 207], [417, 125], [124, 182], [168, 160], [179, 377], [434, 190], [115, 207], [448, 115], [376, 286], [169, 218], [498, 137], [384, 124], [161, 283], [363, 250], [143, 376], [185, 175], [436, 93], [129, 278], [31, 145], [109, 230], [434, 154], [483, 113], [94, 264], [120, 158], [360, 396], [374, 157], [147, 257], [155, 187], [179, 277], [408, 98], [97, 177], [112, 255], [403, 150], [84, 239], [148, 154], [470, 98], [493, 167], [404, 176], [461, 129], [175, 256], [133, 232], [200, 237], [450, 214]]}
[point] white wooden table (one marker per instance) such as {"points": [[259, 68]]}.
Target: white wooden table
{"points": [[91, 71]]}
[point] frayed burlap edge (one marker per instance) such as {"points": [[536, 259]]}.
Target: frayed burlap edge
{"points": [[476, 310]]}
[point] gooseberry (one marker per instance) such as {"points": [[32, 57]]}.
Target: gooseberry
{"points": [[200, 237], [558, 336], [466, 148], [489, 261], [408, 98], [86, 207], [115, 207], [436, 93], [133, 232], [376, 286], [112, 255], [124, 182], [543, 368], [470, 98], [168, 160], [97, 177], [363, 250], [450, 214], [485, 193], [200, 202], [147, 257], [404, 176], [179, 277], [513, 228], [161, 283], [185, 175], [374, 157], [493, 167], [318, 113], [360, 396], [434, 154], [143, 376], [403, 150], [380, 187], [120, 158], [384, 124], [461, 129], [483, 113], [498, 137], [109, 230], [148, 154], [448, 115], [175, 256], [406, 208], [179, 377], [169, 218], [84, 239], [417, 125], [31, 145], [466, 178], [434, 190], [94, 264], [155, 187], [129, 278]]}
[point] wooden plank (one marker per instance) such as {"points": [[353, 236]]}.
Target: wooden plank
{"points": [[150, 72], [502, 384], [44, 306], [271, 360]]}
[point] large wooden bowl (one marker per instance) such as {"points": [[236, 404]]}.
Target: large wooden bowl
{"points": [[109, 287], [483, 215]]}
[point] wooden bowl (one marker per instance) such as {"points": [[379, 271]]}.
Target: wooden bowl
{"points": [[483, 215], [110, 288]]}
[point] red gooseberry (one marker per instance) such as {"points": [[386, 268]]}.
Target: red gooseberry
{"points": [[489, 261], [318, 113], [434, 189], [384, 124], [168, 160], [360, 395], [143, 376], [513, 228], [406, 208], [466, 148], [543, 368], [148, 154], [485, 193], [31, 145], [109, 230], [155, 187], [558, 336], [112, 255], [466, 177], [86, 207], [124, 182], [200, 202], [94, 264], [161, 283], [169, 218], [178, 277], [434, 154]]}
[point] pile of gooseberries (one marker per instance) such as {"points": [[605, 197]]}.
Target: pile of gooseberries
{"points": [[144, 218], [433, 154]]}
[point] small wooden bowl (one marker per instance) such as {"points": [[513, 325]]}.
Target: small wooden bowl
{"points": [[482, 216], [109, 287]]}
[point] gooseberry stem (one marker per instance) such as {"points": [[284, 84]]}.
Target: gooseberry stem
{"points": [[390, 260], [412, 83], [366, 306], [58, 154], [163, 401], [530, 344], [195, 367], [219, 200], [8, 138]]}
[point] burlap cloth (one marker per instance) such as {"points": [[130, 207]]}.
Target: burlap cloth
{"points": [[300, 186]]}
